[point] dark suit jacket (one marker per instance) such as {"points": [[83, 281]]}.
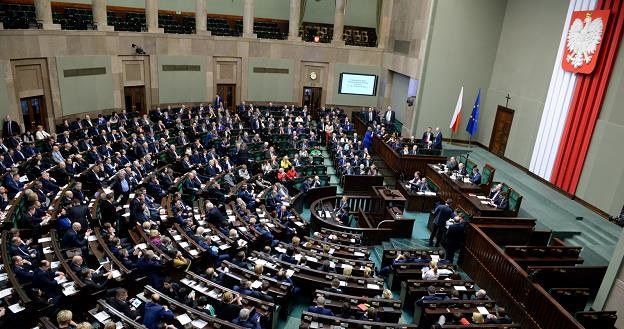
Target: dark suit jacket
{"points": [[320, 310], [71, 239], [441, 214], [15, 128]]}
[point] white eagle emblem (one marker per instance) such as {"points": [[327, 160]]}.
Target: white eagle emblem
{"points": [[583, 39]]}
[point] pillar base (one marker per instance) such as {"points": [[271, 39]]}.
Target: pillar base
{"points": [[1, 26], [294, 38], [51, 26], [202, 32], [338, 42], [155, 30], [105, 28], [250, 35]]}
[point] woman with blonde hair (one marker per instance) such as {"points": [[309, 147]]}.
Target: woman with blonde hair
{"points": [[259, 269], [477, 318], [431, 272]]}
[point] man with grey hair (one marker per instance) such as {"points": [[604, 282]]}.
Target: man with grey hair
{"points": [[245, 321], [320, 307]]}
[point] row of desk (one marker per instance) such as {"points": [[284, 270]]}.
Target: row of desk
{"points": [[466, 195]]}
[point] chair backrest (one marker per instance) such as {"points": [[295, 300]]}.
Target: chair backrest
{"points": [[469, 166], [514, 200], [463, 159], [487, 176]]}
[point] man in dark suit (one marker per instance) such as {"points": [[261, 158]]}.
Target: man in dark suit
{"points": [[73, 238], [43, 278], [320, 307], [217, 101], [389, 115], [475, 178], [120, 303], [455, 237], [154, 313], [437, 142], [12, 184], [22, 269], [244, 320], [502, 202], [79, 213], [151, 267], [10, 127], [431, 296], [370, 115], [441, 214], [427, 138]]}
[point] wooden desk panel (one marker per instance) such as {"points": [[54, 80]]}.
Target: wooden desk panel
{"points": [[459, 192]]}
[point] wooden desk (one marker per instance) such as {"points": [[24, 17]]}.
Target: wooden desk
{"points": [[387, 198], [416, 201], [463, 194]]}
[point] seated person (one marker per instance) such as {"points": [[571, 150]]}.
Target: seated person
{"points": [[431, 296], [120, 303], [320, 307], [502, 202], [229, 308], [155, 313], [451, 164], [370, 315], [22, 269], [475, 178], [244, 319]]}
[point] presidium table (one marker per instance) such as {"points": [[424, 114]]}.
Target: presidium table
{"points": [[466, 195]]}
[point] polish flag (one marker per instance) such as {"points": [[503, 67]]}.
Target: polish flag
{"points": [[457, 114]]}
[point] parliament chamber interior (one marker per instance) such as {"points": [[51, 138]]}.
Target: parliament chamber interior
{"points": [[370, 164]]}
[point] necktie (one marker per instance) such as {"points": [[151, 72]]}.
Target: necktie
{"points": [[10, 130]]}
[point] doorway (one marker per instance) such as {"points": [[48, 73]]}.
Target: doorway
{"points": [[312, 98], [135, 99], [33, 112], [500, 131], [227, 91]]}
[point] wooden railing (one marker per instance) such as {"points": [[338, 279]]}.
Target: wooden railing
{"points": [[526, 301], [358, 204]]}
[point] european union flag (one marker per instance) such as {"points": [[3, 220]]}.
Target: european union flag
{"points": [[471, 128]]}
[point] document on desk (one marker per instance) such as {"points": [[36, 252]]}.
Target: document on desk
{"points": [[5, 292], [46, 239], [199, 323], [256, 284], [459, 288], [184, 319], [102, 317], [359, 254], [485, 202], [481, 197], [16, 308], [177, 237], [372, 286], [482, 310]]}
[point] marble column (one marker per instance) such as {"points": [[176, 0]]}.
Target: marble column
{"points": [[201, 21], [293, 22], [99, 15], [339, 22], [248, 19], [384, 23], [151, 16], [43, 12]]}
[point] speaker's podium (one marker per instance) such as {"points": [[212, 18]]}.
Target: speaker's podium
{"points": [[386, 198]]}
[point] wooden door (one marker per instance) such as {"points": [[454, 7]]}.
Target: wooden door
{"points": [[227, 92], [312, 98], [500, 131], [135, 99], [33, 112]]}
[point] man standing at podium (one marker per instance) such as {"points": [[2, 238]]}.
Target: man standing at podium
{"points": [[441, 214]]}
